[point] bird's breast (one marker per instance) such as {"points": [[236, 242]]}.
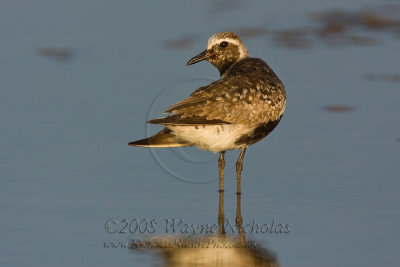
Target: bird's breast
{"points": [[215, 138]]}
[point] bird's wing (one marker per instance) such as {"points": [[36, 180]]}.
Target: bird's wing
{"points": [[232, 99], [193, 120]]}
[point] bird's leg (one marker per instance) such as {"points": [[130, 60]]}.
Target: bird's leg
{"points": [[239, 168], [239, 219], [221, 215], [221, 166]]}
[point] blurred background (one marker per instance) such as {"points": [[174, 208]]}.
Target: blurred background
{"points": [[78, 80]]}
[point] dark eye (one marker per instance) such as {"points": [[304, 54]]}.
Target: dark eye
{"points": [[223, 44]]}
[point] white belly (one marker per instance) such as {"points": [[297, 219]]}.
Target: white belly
{"points": [[211, 137]]}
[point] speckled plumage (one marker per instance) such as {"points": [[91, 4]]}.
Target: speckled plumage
{"points": [[239, 109], [249, 94]]}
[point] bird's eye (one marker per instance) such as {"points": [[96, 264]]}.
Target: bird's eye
{"points": [[223, 44]]}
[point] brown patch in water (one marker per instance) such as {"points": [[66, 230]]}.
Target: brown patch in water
{"points": [[55, 53], [339, 108], [375, 21], [362, 40], [339, 21], [293, 38], [181, 43], [250, 32], [334, 22], [340, 27], [383, 77], [222, 6]]}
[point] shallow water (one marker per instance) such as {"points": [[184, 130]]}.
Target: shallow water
{"points": [[79, 80]]}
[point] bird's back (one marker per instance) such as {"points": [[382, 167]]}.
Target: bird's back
{"points": [[257, 77], [249, 93]]}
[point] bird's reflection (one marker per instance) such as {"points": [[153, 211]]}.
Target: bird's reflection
{"points": [[214, 250]]}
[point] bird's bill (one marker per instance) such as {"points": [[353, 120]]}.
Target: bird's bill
{"points": [[202, 56]]}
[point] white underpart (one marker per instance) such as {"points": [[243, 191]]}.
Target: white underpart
{"points": [[215, 138], [242, 49]]}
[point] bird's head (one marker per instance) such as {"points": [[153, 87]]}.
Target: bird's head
{"points": [[223, 50]]}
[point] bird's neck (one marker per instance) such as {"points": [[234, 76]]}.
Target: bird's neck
{"points": [[226, 67]]}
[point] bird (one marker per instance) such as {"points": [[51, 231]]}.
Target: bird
{"points": [[231, 113]]}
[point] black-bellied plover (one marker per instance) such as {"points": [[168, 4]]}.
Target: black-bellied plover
{"points": [[236, 111]]}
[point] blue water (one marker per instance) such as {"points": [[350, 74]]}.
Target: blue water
{"points": [[66, 168]]}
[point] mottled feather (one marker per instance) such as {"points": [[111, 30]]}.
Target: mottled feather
{"points": [[193, 120], [251, 93]]}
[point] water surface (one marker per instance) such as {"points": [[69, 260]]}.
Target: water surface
{"points": [[78, 80]]}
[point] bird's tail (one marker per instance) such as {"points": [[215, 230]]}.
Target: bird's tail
{"points": [[164, 138]]}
